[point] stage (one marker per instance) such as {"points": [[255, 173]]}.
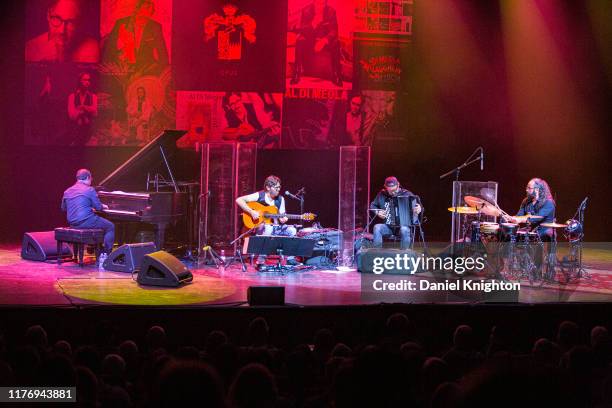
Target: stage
{"points": [[29, 283]]}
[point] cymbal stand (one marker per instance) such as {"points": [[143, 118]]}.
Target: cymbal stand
{"points": [[551, 258], [582, 273], [575, 256]]}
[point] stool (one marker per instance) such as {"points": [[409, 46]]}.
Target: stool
{"points": [[79, 238]]}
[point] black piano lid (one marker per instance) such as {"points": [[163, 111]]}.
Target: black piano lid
{"points": [[132, 175]]}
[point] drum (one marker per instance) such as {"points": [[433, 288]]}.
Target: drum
{"points": [[489, 228], [508, 230], [573, 230], [527, 237], [489, 231]]}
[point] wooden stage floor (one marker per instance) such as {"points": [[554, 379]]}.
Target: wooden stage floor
{"points": [[28, 283]]}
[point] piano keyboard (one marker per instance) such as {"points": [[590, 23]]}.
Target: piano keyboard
{"points": [[126, 193], [109, 211]]}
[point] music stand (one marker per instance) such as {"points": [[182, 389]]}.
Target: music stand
{"points": [[281, 246]]}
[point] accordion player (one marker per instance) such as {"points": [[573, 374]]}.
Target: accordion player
{"points": [[397, 211]]}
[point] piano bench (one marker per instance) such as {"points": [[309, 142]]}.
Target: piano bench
{"points": [[79, 238]]}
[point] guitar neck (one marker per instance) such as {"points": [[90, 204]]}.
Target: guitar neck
{"points": [[290, 216]]}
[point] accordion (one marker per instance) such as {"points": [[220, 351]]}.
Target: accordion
{"points": [[400, 211]]}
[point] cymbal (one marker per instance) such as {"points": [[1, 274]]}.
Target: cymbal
{"points": [[463, 210], [483, 206], [489, 209], [488, 194], [474, 201], [553, 225]]}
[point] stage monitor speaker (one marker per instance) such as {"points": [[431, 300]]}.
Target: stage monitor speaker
{"points": [[266, 295], [162, 269], [41, 246], [127, 258]]}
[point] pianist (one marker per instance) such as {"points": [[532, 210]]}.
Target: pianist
{"points": [[384, 209], [79, 201]]}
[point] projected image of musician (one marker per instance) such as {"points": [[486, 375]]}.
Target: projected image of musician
{"points": [[139, 112], [371, 119], [317, 37], [198, 127], [137, 41], [230, 29], [245, 125], [268, 197], [355, 124], [66, 38], [391, 216], [82, 109]]}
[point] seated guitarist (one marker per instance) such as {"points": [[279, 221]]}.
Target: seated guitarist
{"points": [[243, 125], [268, 196]]}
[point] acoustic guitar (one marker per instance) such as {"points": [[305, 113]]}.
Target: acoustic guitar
{"points": [[268, 213]]}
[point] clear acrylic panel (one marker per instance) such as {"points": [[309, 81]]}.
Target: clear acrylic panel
{"points": [[228, 170], [354, 195], [482, 189], [246, 169]]}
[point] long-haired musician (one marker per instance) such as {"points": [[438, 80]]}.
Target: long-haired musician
{"points": [[538, 201], [391, 226]]}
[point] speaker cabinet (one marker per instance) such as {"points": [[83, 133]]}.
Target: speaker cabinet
{"points": [[163, 269], [266, 295], [127, 258], [41, 246]]}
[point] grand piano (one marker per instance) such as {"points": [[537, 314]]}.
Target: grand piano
{"points": [[150, 186]]}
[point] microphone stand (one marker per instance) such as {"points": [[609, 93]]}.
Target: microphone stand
{"points": [[465, 164], [300, 197]]}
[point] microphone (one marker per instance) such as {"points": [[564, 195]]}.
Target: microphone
{"points": [[583, 204], [288, 194], [481, 159]]}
